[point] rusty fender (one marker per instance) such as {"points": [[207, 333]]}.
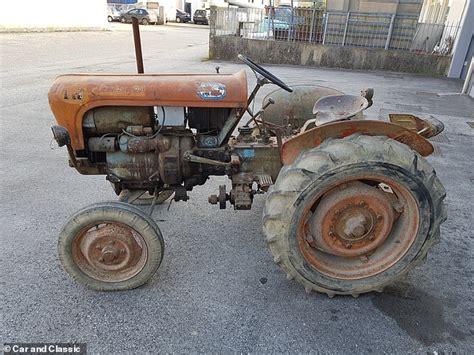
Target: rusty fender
{"points": [[314, 137]]}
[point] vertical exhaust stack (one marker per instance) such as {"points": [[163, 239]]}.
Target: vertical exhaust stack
{"points": [[138, 45]]}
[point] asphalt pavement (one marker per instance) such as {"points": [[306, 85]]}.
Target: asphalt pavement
{"points": [[218, 289]]}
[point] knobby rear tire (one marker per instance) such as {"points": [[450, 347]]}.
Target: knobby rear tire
{"points": [[335, 159]]}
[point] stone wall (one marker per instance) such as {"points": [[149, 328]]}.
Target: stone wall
{"points": [[281, 52]]}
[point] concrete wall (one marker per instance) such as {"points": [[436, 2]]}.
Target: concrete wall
{"points": [[53, 14], [227, 48]]}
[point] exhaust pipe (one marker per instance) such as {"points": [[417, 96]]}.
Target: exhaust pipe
{"points": [[138, 45]]}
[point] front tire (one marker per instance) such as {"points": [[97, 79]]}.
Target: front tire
{"points": [[145, 22], [353, 215], [110, 246]]}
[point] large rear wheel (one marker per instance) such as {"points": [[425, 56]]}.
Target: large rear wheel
{"points": [[110, 246], [353, 214]]}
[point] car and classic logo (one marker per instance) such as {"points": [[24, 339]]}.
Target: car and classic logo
{"points": [[211, 91]]}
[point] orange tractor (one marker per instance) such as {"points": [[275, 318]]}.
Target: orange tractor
{"points": [[351, 204]]}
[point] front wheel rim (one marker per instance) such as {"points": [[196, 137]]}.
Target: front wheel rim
{"points": [[355, 243], [109, 251]]}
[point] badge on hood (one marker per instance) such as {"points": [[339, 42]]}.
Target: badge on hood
{"points": [[211, 91]]}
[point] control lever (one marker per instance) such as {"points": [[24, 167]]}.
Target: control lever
{"points": [[253, 118]]}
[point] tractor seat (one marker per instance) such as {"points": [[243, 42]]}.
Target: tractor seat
{"points": [[338, 107]]}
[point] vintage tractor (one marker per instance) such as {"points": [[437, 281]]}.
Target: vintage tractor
{"points": [[351, 203]]}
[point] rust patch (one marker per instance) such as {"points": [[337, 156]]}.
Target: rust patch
{"points": [[392, 239]]}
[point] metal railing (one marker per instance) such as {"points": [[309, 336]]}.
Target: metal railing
{"points": [[356, 29]]}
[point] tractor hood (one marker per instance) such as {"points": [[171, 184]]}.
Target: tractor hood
{"points": [[72, 95]]}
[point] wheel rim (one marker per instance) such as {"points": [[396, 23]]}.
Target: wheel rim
{"points": [[109, 251], [358, 228]]}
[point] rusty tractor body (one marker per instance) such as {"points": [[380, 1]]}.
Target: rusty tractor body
{"points": [[351, 203]]}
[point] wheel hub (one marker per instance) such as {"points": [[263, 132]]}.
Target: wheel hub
{"points": [[351, 220], [354, 224], [110, 252]]}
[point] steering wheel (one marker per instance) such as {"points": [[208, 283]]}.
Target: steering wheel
{"points": [[265, 73]]}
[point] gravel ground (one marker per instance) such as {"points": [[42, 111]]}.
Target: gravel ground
{"points": [[217, 289]]}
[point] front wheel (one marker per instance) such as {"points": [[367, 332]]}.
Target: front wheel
{"points": [[110, 246], [145, 22], [353, 214]]}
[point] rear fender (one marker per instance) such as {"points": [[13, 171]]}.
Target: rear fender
{"points": [[314, 137]]}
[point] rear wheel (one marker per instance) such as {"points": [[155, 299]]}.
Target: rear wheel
{"points": [[353, 214], [145, 21], [110, 246], [178, 20], [109, 18]]}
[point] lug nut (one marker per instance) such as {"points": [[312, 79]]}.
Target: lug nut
{"points": [[213, 199], [379, 217], [101, 260], [371, 237], [348, 245], [98, 247], [362, 203], [122, 251]]}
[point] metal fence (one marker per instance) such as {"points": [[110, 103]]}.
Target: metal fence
{"points": [[356, 29]]}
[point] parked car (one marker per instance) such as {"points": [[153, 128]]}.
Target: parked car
{"points": [[144, 17], [182, 16], [201, 16], [113, 14]]}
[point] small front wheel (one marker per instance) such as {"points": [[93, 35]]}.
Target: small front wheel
{"points": [[110, 246]]}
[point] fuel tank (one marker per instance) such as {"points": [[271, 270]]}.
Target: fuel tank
{"points": [[72, 95]]}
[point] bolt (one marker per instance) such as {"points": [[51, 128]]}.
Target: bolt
{"points": [[101, 260], [364, 259], [332, 234], [398, 207], [362, 203], [371, 237], [379, 217], [338, 212], [122, 251], [348, 245], [98, 247]]}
